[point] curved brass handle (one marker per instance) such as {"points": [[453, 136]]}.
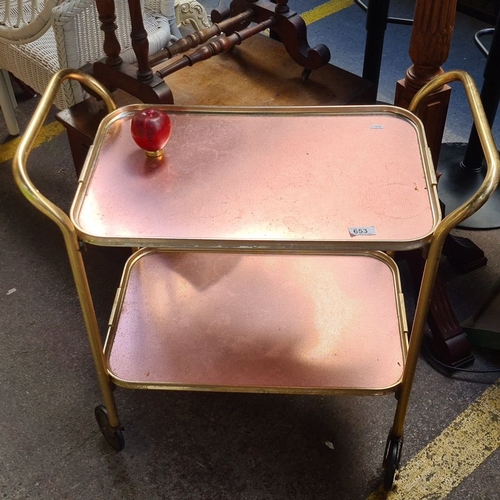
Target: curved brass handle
{"points": [[64, 222], [446, 225], [492, 177], [28, 140]]}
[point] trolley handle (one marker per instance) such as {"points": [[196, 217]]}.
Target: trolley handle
{"points": [[434, 250], [65, 225], [27, 143], [490, 151]]}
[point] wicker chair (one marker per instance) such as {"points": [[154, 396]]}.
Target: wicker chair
{"points": [[54, 34]]}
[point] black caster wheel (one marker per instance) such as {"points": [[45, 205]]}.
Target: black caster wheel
{"points": [[113, 436], [391, 461]]}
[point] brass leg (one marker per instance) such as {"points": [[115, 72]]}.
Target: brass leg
{"points": [[82, 286], [111, 430]]}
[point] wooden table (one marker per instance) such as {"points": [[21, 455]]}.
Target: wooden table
{"points": [[257, 73]]}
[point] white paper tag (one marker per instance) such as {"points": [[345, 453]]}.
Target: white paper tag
{"points": [[362, 231]]}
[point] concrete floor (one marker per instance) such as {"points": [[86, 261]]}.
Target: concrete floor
{"points": [[196, 445]]}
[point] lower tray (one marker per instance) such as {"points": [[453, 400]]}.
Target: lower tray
{"points": [[258, 323]]}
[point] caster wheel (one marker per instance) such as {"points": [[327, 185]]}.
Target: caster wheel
{"points": [[391, 461], [113, 436]]}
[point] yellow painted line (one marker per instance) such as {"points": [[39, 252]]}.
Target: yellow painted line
{"points": [[445, 462], [47, 133], [325, 10]]}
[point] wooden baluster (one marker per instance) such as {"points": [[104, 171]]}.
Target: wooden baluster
{"points": [[215, 46], [429, 48], [140, 42], [198, 37], [113, 72], [282, 6], [112, 49]]}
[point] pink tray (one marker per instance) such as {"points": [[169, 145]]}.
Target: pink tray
{"points": [[230, 178], [258, 322]]}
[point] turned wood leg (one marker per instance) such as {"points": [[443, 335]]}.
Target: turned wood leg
{"points": [[449, 341], [106, 10]]}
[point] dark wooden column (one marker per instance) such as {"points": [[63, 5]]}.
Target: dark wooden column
{"points": [[140, 44], [106, 10], [113, 72], [433, 24]]}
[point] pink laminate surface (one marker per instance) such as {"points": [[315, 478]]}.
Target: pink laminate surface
{"points": [[254, 177], [240, 320]]}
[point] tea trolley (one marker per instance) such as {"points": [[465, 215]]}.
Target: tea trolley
{"points": [[262, 243]]}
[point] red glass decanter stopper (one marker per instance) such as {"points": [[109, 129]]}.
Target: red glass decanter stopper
{"points": [[151, 129]]}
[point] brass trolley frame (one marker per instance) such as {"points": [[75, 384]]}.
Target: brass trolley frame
{"points": [[260, 252]]}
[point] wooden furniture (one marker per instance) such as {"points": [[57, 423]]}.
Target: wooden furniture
{"points": [[260, 267], [148, 86], [259, 72], [429, 48], [39, 37]]}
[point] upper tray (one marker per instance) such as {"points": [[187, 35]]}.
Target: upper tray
{"points": [[268, 178]]}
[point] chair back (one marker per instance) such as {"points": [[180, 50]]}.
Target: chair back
{"points": [[40, 37], [23, 21]]}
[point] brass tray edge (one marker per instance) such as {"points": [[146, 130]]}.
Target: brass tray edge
{"points": [[428, 167], [257, 246], [363, 109], [377, 391]]}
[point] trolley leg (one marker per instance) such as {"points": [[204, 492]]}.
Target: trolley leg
{"points": [[106, 415], [395, 440]]}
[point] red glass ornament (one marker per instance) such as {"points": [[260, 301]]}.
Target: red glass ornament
{"points": [[151, 129]]}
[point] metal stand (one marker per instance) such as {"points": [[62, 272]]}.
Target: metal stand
{"points": [[462, 169], [461, 165]]}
